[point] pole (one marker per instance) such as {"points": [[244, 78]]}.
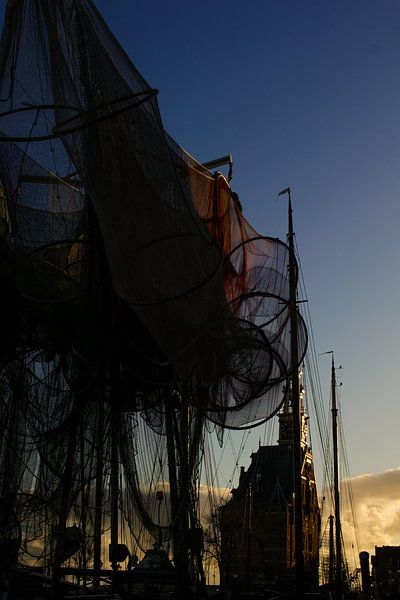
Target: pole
{"points": [[66, 487], [184, 497], [98, 511], [160, 497], [331, 556], [114, 474], [84, 505], [180, 583], [296, 411], [338, 566]]}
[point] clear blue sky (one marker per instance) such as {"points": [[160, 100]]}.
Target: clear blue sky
{"points": [[302, 93]]}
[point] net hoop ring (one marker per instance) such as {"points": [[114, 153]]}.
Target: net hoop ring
{"points": [[264, 238], [67, 127], [221, 418], [185, 292]]}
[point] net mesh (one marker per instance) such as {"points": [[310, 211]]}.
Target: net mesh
{"points": [[116, 245]]}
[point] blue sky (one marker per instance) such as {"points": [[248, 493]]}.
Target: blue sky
{"points": [[303, 94]]}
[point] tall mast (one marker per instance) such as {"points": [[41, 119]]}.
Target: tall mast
{"points": [[66, 487], [98, 513], [114, 398], [296, 410], [114, 490], [331, 557], [84, 503], [338, 566], [184, 485], [98, 275], [177, 440]]}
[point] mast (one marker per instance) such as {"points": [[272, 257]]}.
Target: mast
{"points": [[182, 443], [338, 565], [66, 487], [178, 552], [84, 504], [98, 514], [98, 274], [296, 410], [331, 556], [182, 522], [114, 475], [114, 399]]}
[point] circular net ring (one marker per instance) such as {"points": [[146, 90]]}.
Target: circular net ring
{"points": [[81, 120], [102, 112]]}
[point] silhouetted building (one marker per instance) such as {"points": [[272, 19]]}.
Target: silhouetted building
{"points": [[386, 572], [257, 524], [365, 575]]}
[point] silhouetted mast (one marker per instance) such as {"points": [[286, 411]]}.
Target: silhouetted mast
{"points": [[331, 556], [296, 409], [338, 566], [114, 476], [98, 513]]}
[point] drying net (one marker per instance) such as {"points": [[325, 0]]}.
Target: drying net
{"points": [[116, 246], [55, 465]]}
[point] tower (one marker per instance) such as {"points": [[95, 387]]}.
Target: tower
{"points": [[257, 525], [286, 420]]}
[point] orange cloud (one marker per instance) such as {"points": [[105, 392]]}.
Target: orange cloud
{"points": [[377, 508]]}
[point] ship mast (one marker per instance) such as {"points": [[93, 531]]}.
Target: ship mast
{"points": [[338, 564], [98, 513], [296, 408], [331, 556], [114, 474]]}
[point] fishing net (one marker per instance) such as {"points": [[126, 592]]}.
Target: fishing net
{"points": [[116, 247], [76, 115], [56, 465]]}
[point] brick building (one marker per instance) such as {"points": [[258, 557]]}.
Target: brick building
{"points": [[257, 525]]}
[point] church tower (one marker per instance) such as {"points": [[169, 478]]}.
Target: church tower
{"points": [[257, 528], [286, 419]]}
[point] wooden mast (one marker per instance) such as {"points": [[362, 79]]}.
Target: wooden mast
{"points": [[296, 409], [338, 564], [66, 483], [98, 513], [114, 476], [177, 439], [331, 557]]}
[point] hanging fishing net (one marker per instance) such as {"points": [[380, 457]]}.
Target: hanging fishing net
{"points": [[133, 285], [80, 122]]}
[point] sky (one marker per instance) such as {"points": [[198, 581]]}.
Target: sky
{"points": [[303, 94]]}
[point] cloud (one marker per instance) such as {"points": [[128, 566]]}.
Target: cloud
{"points": [[377, 511]]}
